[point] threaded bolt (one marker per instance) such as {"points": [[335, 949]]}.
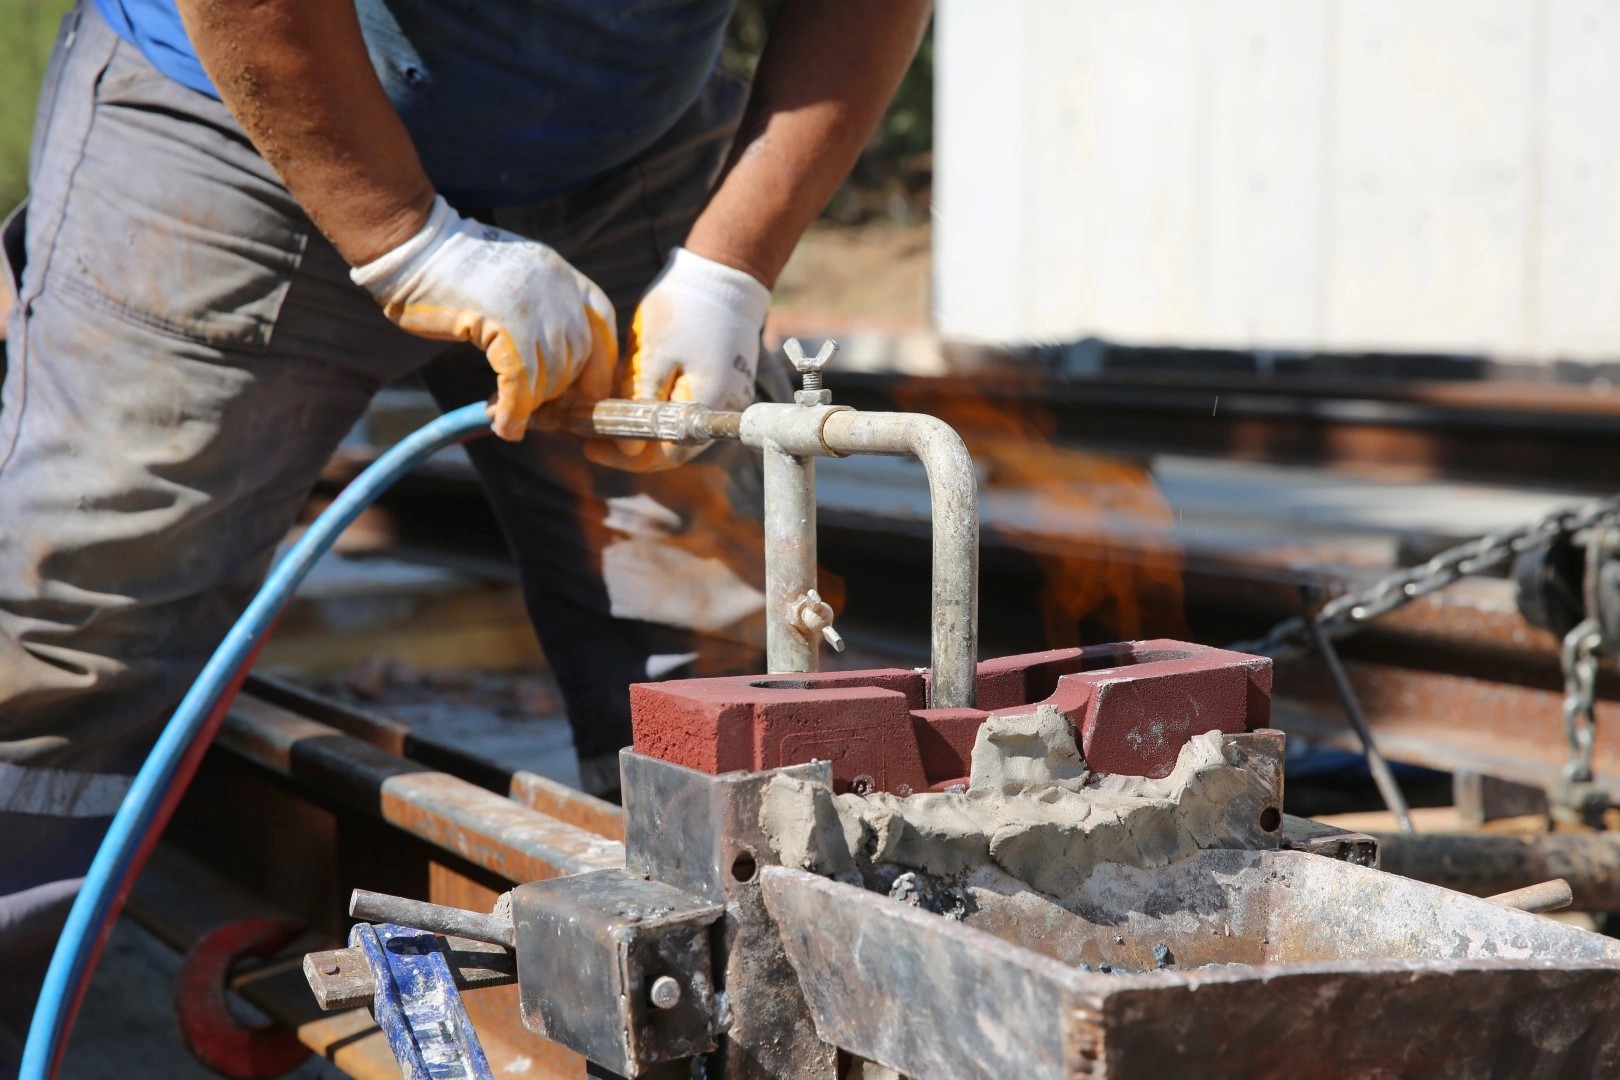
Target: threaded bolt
{"points": [[809, 369]]}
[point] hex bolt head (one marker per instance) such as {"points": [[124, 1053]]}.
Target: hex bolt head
{"points": [[665, 993]]}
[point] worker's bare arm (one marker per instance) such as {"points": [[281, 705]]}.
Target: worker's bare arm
{"points": [[822, 85], [296, 76]]}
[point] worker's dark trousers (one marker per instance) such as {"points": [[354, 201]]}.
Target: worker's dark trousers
{"points": [[186, 354]]}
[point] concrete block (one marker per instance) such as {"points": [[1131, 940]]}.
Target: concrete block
{"points": [[1132, 705]]}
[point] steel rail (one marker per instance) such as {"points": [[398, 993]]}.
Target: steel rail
{"points": [[486, 829]]}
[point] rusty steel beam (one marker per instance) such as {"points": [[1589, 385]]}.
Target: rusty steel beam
{"points": [[558, 800], [1510, 431], [488, 830], [1486, 864], [537, 792], [346, 792], [1447, 721], [342, 979]]}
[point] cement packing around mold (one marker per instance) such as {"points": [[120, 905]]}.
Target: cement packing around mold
{"points": [[1031, 808]]}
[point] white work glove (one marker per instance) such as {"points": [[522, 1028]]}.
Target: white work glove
{"points": [[538, 320], [695, 337]]}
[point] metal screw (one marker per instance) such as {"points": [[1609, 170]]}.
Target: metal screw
{"points": [[809, 368], [330, 968], [665, 993]]}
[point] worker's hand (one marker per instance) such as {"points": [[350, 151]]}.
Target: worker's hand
{"points": [[538, 320], [694, 337]]}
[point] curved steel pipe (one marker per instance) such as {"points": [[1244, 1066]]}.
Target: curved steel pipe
{"points": [[954, 494], [797, 433]]}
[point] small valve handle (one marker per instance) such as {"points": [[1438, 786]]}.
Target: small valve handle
{"points": [[815, 615]]}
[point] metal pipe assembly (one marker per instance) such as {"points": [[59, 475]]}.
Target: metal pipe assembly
{"points": [[791, 437]]}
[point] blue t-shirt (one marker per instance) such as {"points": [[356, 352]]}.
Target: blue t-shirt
{"points": [[508, 101]]}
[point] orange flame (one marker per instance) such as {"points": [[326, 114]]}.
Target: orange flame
{"points": [[1101, 532]]}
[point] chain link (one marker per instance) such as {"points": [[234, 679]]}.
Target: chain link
{"points": [[1579, 657], [1346, 614]]}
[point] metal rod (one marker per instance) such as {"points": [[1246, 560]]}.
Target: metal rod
{"points": [[953, 490], [1387, 787], [790, 558], [1551, 895], [435, 918]]}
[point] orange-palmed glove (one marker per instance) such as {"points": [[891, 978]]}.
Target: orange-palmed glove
{"points": [[539, 321], [694, 337]]}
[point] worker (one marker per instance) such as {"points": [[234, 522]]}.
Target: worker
{"points": [[247, 216]]}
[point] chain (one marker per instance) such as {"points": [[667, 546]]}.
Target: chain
{"points": [[1579, 657], [1346, 614]]}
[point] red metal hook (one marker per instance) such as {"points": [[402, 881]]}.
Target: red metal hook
{"points": [[213, 1033]]}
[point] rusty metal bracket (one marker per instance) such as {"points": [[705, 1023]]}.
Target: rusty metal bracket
{"points": [[617, 968], [1194, 967], [701, 833], [341, 978]]}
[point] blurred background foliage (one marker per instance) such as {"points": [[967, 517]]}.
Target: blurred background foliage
{"points": [[891, 181], [894, 176], [27, 30]]}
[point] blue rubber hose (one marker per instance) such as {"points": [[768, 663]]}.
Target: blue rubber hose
{"points": [[130, 835]]}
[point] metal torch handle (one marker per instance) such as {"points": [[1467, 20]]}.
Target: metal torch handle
{"points": [[678, 422]]}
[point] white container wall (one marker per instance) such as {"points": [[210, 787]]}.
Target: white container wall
{"points": [[1406, 175]]}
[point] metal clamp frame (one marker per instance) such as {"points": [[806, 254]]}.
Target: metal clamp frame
{"points": [[417, 1006], [791, 437]]}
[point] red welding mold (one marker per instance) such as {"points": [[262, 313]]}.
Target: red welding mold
{"points": [[1133, 705]]}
